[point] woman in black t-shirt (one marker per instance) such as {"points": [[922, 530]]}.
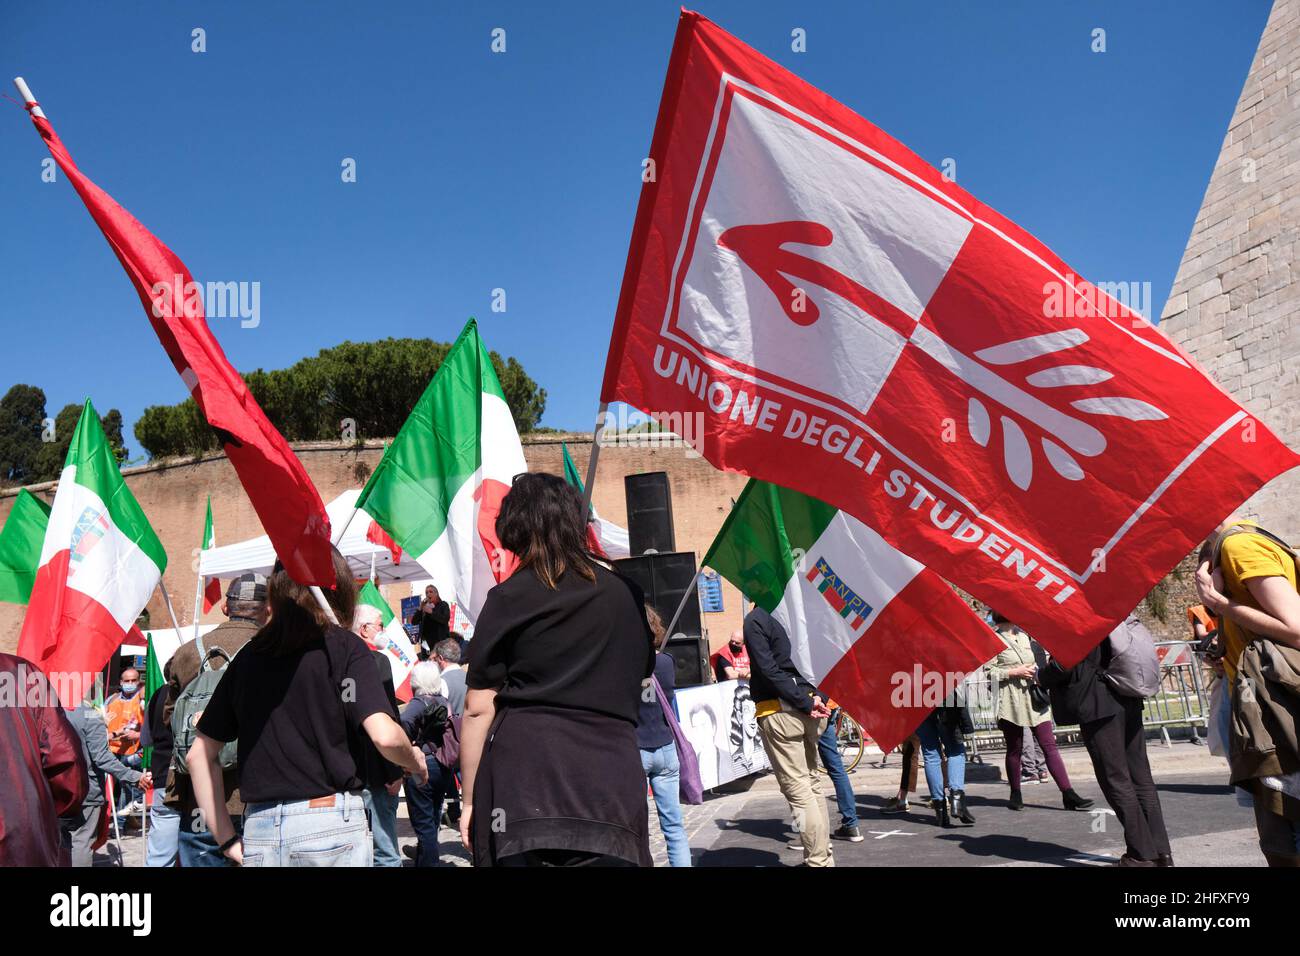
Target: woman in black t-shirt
{"points": [[550, 768], [298, 698]]}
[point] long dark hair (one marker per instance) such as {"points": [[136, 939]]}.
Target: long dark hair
{"points": [[296, 619], [541, 521]]}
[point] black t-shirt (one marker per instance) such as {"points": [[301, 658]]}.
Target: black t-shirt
{"points": [[297, 718], [584, 644], [652, 730]]}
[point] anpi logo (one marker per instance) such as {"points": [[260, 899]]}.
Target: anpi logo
{"points": [[76, 909]]}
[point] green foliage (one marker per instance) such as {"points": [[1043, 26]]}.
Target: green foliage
{"points": [[373, 384], [22, 411], [25, 456]]}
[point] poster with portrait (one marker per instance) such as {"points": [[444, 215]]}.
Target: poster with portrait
{"points": [[719, 722]]}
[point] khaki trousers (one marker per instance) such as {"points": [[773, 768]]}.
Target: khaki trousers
{"points": [[790, 739]]}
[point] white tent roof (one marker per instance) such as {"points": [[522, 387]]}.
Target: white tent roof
{"points": [[256, 554]]}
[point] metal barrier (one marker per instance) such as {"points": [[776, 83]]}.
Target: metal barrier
{"points": [[1182, 700]]}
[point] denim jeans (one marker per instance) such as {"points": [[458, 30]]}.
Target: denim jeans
{"points": [[299, 834], [164, 833], [424, 804], [383, 826], [125, 794], [664, 772], [198, 848], [830, 755], [932, 732]]}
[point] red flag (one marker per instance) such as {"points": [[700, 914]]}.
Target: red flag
{"points": [[820, 308], [377, 535], [284, 498], [211, 594]]}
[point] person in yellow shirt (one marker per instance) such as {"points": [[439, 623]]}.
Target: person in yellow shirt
{"points": [[1252, 591]]}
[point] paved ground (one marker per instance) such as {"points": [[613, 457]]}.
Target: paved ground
{"points": [[749, 827]]}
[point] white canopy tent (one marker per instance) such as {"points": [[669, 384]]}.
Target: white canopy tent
{"points": [[256, 554]]}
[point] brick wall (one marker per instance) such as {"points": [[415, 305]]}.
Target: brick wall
{"points": [[174, 496], [1235, 300]]}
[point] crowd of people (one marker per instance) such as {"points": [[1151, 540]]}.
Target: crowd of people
{"points": [[279, 739]]}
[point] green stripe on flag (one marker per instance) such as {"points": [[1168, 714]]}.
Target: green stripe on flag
{"points": [[369, 594], [20, 546], [209, 534], [97, 469], [153, 680], [765, 538], [437, 450]]}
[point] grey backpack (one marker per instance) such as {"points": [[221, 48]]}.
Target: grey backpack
{"points": [[1134, 669], [190, 706]]}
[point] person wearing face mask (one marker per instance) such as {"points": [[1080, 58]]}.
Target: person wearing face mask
{"points": [[732, 662], [124, 715]]}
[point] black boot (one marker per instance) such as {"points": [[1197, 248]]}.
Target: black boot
{"points": [[1016, 802], [1075, 802], [961, 814], [941, 813]]}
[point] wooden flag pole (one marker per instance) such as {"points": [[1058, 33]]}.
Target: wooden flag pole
{"points": [[25, 92], [595, 457]]}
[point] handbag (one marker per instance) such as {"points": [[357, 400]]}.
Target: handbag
{"points": [[1039, 697], [690, 786]]}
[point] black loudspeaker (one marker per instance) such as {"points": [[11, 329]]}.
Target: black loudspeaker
{"points": [[690, 660], [649, 513], [665, 578]]}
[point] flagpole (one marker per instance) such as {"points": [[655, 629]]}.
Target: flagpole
{"points": [[168, 601], [596, 437], [198, 596], [112, 809], [347, 524], [25, 92], [325, 605], [681, 606]]}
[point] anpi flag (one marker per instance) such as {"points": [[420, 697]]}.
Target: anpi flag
{"points": [[212, 586], [846, 322], [398, 648], [887, 639], [99, 564], [439, 486], [20, 546], [284, 498]]}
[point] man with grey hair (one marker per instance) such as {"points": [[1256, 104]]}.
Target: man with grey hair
{"points": [[383, 778], [446, 654], [426, 720], [247, 611]]}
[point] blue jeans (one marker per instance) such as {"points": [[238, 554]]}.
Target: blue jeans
{"points": [[125, 793], [383, 826], [164, 833], [662, 768], [299, 834], [830, 755], [931, 733], [197, 846], [424, 804]]}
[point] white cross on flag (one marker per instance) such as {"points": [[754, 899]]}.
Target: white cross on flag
{"points": [[848, 323]]}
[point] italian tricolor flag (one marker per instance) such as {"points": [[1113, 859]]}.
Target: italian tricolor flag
{"points": [[439, 486], [20, 546], [211, 586], [873, 629], [398, 647], [99, 564]]}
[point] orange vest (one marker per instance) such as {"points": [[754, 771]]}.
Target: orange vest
{"points": [[124, 715]]}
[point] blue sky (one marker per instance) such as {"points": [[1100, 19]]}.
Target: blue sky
{"points": [[521, 171]]}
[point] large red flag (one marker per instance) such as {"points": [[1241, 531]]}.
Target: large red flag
{"points": [[284, 498], [834, 316]]}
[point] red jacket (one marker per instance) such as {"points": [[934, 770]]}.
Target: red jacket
{"points": [[41, 765]]}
